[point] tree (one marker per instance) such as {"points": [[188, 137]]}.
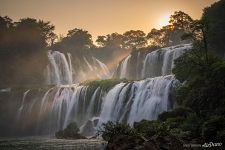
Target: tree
{"points": [[155, 37], [171, 34], [180, 20], [37, 32], [23, 44], [76, 40], [110, 130], [5, 23], [102, 41], [213, 17], [135, 39], [204, 81], [47, 31], [80, 38], [6, 27], [114, 40]]}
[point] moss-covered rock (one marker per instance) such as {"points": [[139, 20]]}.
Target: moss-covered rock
{"points": [[71, 132]]}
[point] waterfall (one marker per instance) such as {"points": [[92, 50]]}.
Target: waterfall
{"points": [[161, 62], [59, 71], [91, 106], [22, 104], [104, 71], [157, 63], [124, 72]]}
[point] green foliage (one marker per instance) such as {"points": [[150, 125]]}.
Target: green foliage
{"points": [[177, 112], [71, 132], [213, 17], [202, 74], [204, 83], [213, 129], [23, 45], [76, 41], [182, 122], [110, 130], [105, 84], [135, 39], [147, 128], [181, 20], [192, 124], [114, 40]]}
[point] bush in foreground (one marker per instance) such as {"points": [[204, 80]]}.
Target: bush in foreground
{"points": [[71, 132]]}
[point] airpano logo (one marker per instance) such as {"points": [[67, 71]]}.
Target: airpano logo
{"points": [[205, 145], [211, 144]]}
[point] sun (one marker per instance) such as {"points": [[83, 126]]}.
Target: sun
{"points": [[164, 20]]}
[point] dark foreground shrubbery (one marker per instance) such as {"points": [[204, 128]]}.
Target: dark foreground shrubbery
{"points": [[71, 132], [170, 133], [144, 135]]}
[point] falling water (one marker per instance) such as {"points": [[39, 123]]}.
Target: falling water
{"points": [[161, 62], [124, 72], [127, 102], [91, 105], [22, 104], [59, 69], [157, 63]]}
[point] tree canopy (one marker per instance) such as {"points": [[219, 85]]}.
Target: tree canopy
{"points": [[213, 17], [135, 39], [22, 43]]}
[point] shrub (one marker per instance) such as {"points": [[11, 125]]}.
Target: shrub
{"points": [[178, 112], [147, 128], [111, 129], [214, 128], [71, 132]]}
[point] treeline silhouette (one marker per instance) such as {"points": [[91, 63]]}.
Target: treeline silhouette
{"points": [[23, 44]]}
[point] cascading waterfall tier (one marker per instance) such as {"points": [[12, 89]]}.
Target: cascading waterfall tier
{"points": [[90, 106], [157, 63], [60, 70]]}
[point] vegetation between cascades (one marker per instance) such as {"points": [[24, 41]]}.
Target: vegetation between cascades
{"points": [[105, 84]]}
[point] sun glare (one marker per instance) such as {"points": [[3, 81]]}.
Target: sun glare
{"points": [[163, 21]]}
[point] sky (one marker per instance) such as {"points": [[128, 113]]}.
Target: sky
{"points": [[101, 17]]}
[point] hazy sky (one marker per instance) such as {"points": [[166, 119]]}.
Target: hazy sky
{"points": [[101, 17]]}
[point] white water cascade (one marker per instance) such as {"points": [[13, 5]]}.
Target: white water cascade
{"points": [[157, 63], [124, 72], [60, 70], [91, 105]]}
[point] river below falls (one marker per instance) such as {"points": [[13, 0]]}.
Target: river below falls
{"points": [[46, 143]]}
